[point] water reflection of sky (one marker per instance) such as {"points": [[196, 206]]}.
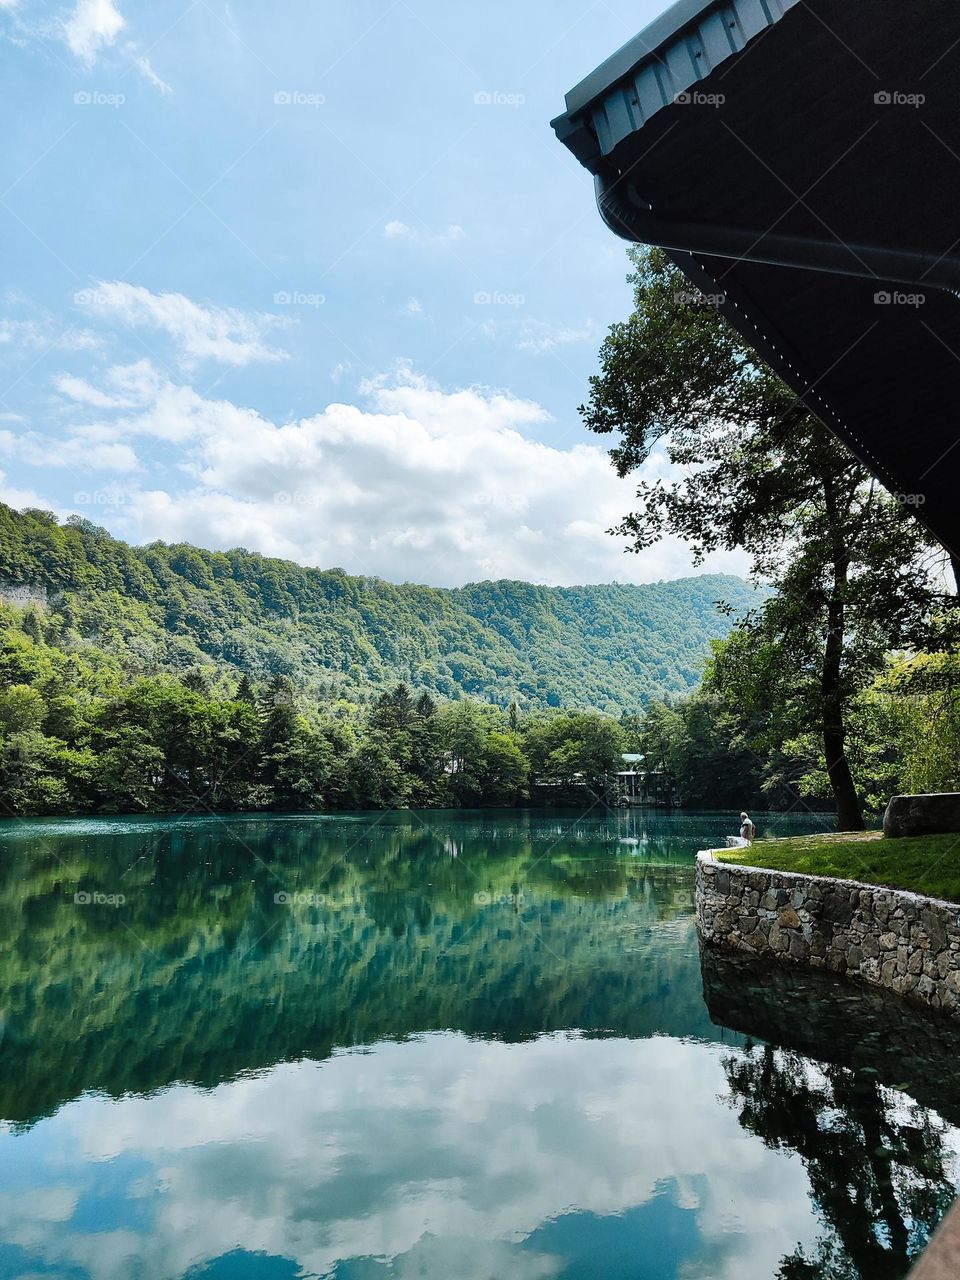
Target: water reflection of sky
{"points": [[439, 1157]]}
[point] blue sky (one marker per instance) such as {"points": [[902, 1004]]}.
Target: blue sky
{"points": [[312, 278]]}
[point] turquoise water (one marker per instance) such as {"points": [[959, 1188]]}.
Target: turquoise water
{"points": [[449, 1045]]}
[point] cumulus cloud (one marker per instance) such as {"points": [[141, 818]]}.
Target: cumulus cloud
{"points": [[224, 334], [416, 483], [81, 391], [91, 26], [17, 497]]}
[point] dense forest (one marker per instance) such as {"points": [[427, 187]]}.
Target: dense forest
{"points": [[173, 679], [169, 679], [169, 608]]}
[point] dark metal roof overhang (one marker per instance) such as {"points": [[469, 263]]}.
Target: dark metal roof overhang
{"points": [[800, 161]]}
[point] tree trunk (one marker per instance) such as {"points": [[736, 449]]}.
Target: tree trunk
{"points": [[849, 808]]}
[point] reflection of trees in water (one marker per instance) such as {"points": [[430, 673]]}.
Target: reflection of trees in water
{"points": [[408, 927], [880, 1173]]}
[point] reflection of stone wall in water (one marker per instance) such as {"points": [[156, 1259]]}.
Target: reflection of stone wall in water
{"points": [[902, 941], [864, 1029]]}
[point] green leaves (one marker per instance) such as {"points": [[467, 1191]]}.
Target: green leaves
{"points": [[851, 569]]}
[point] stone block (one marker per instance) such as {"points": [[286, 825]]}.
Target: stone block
{"points": [[922, 815], [799, 947]]}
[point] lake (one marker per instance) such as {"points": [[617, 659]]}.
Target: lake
{"points": [[459, 1046]]}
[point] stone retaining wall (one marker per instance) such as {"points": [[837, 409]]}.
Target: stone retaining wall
{"points": [[902, 941]]}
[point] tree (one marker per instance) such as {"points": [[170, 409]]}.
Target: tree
{"points": [[504, 769], [464, 736], [22, 709], [33, 624], [583, 748], [394, 710], [128, 771], [197, 680], [245, 691], [854, 574], [374, 778], [425, 707]]}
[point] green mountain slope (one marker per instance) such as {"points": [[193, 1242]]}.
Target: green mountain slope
{"points": [[168, 608]]}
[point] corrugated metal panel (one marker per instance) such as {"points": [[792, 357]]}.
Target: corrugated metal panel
{"points": [[643, 78]]}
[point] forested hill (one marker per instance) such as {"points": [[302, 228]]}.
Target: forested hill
{"points": [[169, 608]]}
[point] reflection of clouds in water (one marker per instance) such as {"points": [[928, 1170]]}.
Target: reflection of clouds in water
{"points": [[441, 1154]]}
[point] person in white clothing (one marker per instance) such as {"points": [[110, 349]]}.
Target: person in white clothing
{"points": [[748, 833]]}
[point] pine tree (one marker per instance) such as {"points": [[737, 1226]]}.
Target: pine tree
{"points": [[425, 707], [245, 692], [394, 710], [33, 625], [197, 681]]}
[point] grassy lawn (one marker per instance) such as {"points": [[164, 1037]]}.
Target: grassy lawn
{"points": [[924, 864]]}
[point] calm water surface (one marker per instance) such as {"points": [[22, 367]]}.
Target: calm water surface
{"points": [[452, 1046]]}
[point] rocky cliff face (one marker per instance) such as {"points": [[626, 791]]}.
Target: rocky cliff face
{"points": [[21, 595]]}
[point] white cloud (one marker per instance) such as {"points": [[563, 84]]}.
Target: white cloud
{"points": [[539, 336], [83, 449], [419, 484], [225, 334], [145, 67], [80, 391], [14, 496], [412, 307], [44, 332], [91, 26], [401, 231]]}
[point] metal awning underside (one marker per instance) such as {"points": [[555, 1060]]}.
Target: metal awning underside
{"points": [[780, 150]]}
